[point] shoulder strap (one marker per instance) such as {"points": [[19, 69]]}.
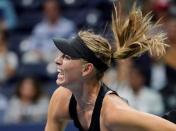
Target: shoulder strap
{"points": [[170, 116], [95, 120], [71, 106], [73, 112], [95, 123]]}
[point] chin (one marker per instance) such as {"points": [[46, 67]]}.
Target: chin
{"points": [[61, 83]]}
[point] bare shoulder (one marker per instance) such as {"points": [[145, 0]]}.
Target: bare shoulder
{"points": [[59, 103], [112, 108], [114, 100], [117, 115], [115, 112], [58, 113], [115, 109]]}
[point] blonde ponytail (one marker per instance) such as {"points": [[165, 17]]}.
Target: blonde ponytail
{"points": [[135, 35]]}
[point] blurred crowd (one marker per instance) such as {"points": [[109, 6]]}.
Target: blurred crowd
{"points": [[28, 72]]}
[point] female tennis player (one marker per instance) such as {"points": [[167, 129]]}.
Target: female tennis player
{"points": [[83, 97]]}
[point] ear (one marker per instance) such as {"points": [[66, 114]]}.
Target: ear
{"points": [[87, 69]]}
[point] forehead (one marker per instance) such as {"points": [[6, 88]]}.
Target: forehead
{"points": [[61, 54]]}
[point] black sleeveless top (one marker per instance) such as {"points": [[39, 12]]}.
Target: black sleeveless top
{"points": [[95, 120], [170, 116]]}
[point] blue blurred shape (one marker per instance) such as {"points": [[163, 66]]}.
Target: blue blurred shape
{"points": [[32, 127], [22, 127]]}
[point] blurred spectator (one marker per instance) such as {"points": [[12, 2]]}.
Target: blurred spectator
{"points": [[169, 92], [131, 86], [160, 8], [118, 75], [3, 106], [158, 74], [170, 58], [8, 59], [28, 104], [40, 44], [146, 5], [8, 18]]}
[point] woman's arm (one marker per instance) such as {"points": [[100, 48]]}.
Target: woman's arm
{"points": [[134, 120], [55, 126], [58, 110], [125, 118]]}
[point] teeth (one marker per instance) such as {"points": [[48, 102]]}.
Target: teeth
{"points": [[60, 72]]}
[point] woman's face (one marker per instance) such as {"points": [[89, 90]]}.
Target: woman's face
{"points": [[136, 80], [171, 29], [27, 89], [69, 70]]}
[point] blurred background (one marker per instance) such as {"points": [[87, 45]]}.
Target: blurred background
{"points": [[28, 72]]}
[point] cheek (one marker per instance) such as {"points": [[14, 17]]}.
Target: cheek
{"points": [[73, 72], [27, 91]]}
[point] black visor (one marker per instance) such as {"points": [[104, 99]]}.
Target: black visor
{"points": [[76, 48]]}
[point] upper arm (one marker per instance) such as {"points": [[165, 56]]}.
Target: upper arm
{"points": [[53, 126], [123, 117], [58, 110]]}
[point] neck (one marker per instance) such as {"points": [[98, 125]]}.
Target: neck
{"points": [[86, 94], [136, 90], [53, 21], [2, 49]]}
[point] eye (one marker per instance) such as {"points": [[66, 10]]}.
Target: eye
{"points": [[63, 56], [66, 57]]}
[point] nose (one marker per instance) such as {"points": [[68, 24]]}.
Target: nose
{"points": [[58, 60]]}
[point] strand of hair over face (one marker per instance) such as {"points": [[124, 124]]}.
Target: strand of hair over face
{"points": [[136, 34]]}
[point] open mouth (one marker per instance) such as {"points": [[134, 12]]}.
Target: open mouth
{"points": [[60, 74]]}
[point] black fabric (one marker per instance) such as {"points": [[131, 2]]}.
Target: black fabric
{"points": [[95, 120], [170, 116], [76, 49]]}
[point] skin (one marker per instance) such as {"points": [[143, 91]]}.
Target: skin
{"points": [[115, 113], [51, 11], [3, 51]]}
